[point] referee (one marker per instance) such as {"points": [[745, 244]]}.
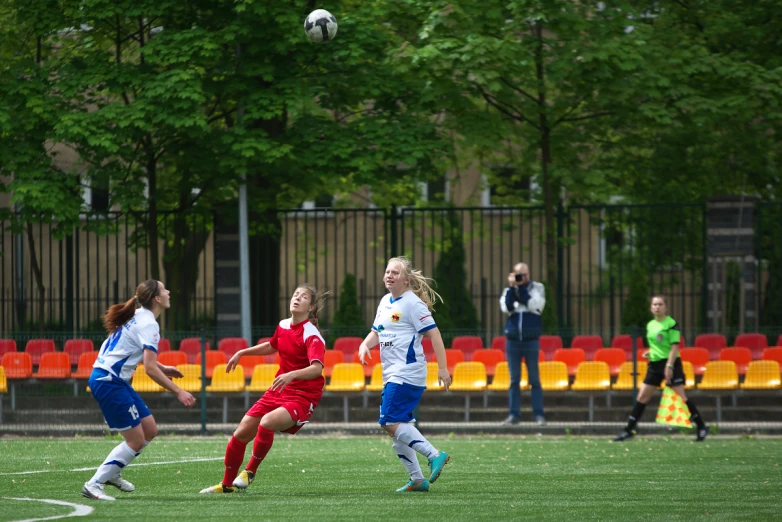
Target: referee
{"points": [[663, 335]]}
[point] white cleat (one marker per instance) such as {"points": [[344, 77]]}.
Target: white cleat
{"points": [[95, 491], [121, 484], [244, 479]]}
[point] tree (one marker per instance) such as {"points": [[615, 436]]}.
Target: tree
{"points": [[347, 319], [635, 311]]}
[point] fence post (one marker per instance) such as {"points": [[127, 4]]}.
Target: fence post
{"points": [[394, 224], [634, 336], [203, 382], [560, 267]]}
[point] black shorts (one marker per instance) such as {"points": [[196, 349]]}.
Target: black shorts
{"points": [[655, 373]]}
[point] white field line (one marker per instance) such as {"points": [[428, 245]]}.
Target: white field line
{"points": [[95, 467], [79, 510]]}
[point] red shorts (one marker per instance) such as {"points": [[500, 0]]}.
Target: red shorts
{"points": [[300, 408]]}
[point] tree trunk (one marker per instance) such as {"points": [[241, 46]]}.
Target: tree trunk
{"points": [[38, 278]]}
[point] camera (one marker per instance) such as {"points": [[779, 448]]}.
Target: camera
{"points": [[519, 278]]}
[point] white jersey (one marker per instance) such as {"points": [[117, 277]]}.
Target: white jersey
{"points": [[124, 349], [400, 324]]}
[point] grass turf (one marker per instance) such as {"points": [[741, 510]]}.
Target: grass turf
{"points": [[354, 478]]}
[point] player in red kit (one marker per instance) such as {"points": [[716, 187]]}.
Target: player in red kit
{"points": [[290, 401]]}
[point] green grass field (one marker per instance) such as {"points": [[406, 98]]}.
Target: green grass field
{"points": [[349, 478]]}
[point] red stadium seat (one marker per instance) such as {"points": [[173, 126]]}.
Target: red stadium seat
{"points": [[625, 342], [698, 357], [38, 347], [18, 365], [498, 342], [773, 354], [7, 345], [163, 346], [428, 349], [468, 344], [756, 343], [614, 357], [348, 345], [490, 358], [712, 342], [589, 343], [172, 358], [75, 347], [213, 358], [192, 347], [230, 345], [739, 355], [549, 344], [572, 357]]}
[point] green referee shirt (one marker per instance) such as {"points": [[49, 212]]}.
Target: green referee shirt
{"points": [[661, 336]]}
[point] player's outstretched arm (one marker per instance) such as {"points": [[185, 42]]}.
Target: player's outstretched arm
{"points": [[156, 374], [258, 349], [439, 351]]}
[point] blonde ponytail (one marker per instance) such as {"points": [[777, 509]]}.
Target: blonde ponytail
{"points": [[419, 283]]}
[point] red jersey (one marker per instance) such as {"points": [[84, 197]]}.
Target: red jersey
{"points": [[299, 345]]}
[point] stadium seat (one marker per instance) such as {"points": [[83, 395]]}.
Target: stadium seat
{"points": [[739, 355], [53, 365], [346, 377], [779, 340], [592, 375], [332, 357], [720, 375], [469, 376], [762, 375], [554, 375], [625, 342], [263, 340], [689, 375], [712, 342], [192, 377], [163, 346], [426, 344], [38, 347], [263, 377], [273, 358], [773, 354], [223, 382], [371, 363], [624, 381], [230, 345], [84, 368], [3, 381], [348, 345], [75, 347], [172, 358], [376, 381], [468, 344], [249, 362], [191, 347], [501, 380], [18, 365], [213, 358], [498, 342], [614, 357], [432, 383], [572, 357], [698, 357], [453, 357], [588, 343], [549, 344], [143, 383], [7, 345], [490, 358], [756, 342]]}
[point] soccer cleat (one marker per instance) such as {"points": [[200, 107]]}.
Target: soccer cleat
{"points": [[244, 479], [437, 464], [625, 435], [217, 489], [511, 421], [121, 484], [540, 420], [703, 433], [94, 491], [414, 485]]}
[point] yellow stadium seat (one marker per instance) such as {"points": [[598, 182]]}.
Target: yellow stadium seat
{"points": [[720, 375], [227, 382], [431, 377], [554, 376], [624, 380], [143, 383], [192, 377], [346, 377], [689, 375], [263, 377], [3, 381], [469, 376], [376, 381], [501, 380], [592, 375], [762, 375]]}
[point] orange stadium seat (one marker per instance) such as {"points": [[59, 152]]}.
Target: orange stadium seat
{"points": [[230, 345], [549, 344], [572, 357], [18, 365], [332, 358], [739, 355], [720, 375], [699, 357], [54, 365], [614, 357], [7, 345], [773, 354], [75, 347], [348, 345], [490, 358], [712, 342], [452, 358], [249, 362], [762, 375], [172, 358], [589, 343], [213, 358], [756, 342], [371, 363], [191, 347], [468, 344], [38, 347], [84, 368]]}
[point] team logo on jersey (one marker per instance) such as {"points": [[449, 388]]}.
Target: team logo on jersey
{"points": [[396, 316], [380, 328], [659, 337], [156, 338]]}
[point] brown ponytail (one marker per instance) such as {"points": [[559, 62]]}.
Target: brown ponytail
{"points": [[119, 314], [317, 298]]}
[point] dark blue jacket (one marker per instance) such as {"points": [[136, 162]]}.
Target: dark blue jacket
{"points": [[524, 306]]}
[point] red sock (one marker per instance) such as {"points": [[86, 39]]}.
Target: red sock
{"points": [[234, 456], [261, 446]]}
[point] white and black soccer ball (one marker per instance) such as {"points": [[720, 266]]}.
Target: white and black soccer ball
{"points": [[320, 26]]}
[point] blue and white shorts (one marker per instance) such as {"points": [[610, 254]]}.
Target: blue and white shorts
{"points": [[120, 404], [398, 402]]}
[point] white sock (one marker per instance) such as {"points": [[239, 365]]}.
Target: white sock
{"points": [[119, 457], [409, 460], [408, 434]]}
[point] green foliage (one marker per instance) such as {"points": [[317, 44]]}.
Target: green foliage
{"points": [[635, 309], [348, 319]]}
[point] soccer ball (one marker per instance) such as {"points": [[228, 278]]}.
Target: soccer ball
{"points": [[320, 26]]}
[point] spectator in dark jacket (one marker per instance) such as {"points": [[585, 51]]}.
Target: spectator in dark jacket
{"points": [[523, 301]]}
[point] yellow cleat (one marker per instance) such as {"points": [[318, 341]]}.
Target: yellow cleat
{"points": [[217, 489]]}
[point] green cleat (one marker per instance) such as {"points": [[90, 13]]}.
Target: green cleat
{"points": [[437, 464], [244, 479], [413, 485]]}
